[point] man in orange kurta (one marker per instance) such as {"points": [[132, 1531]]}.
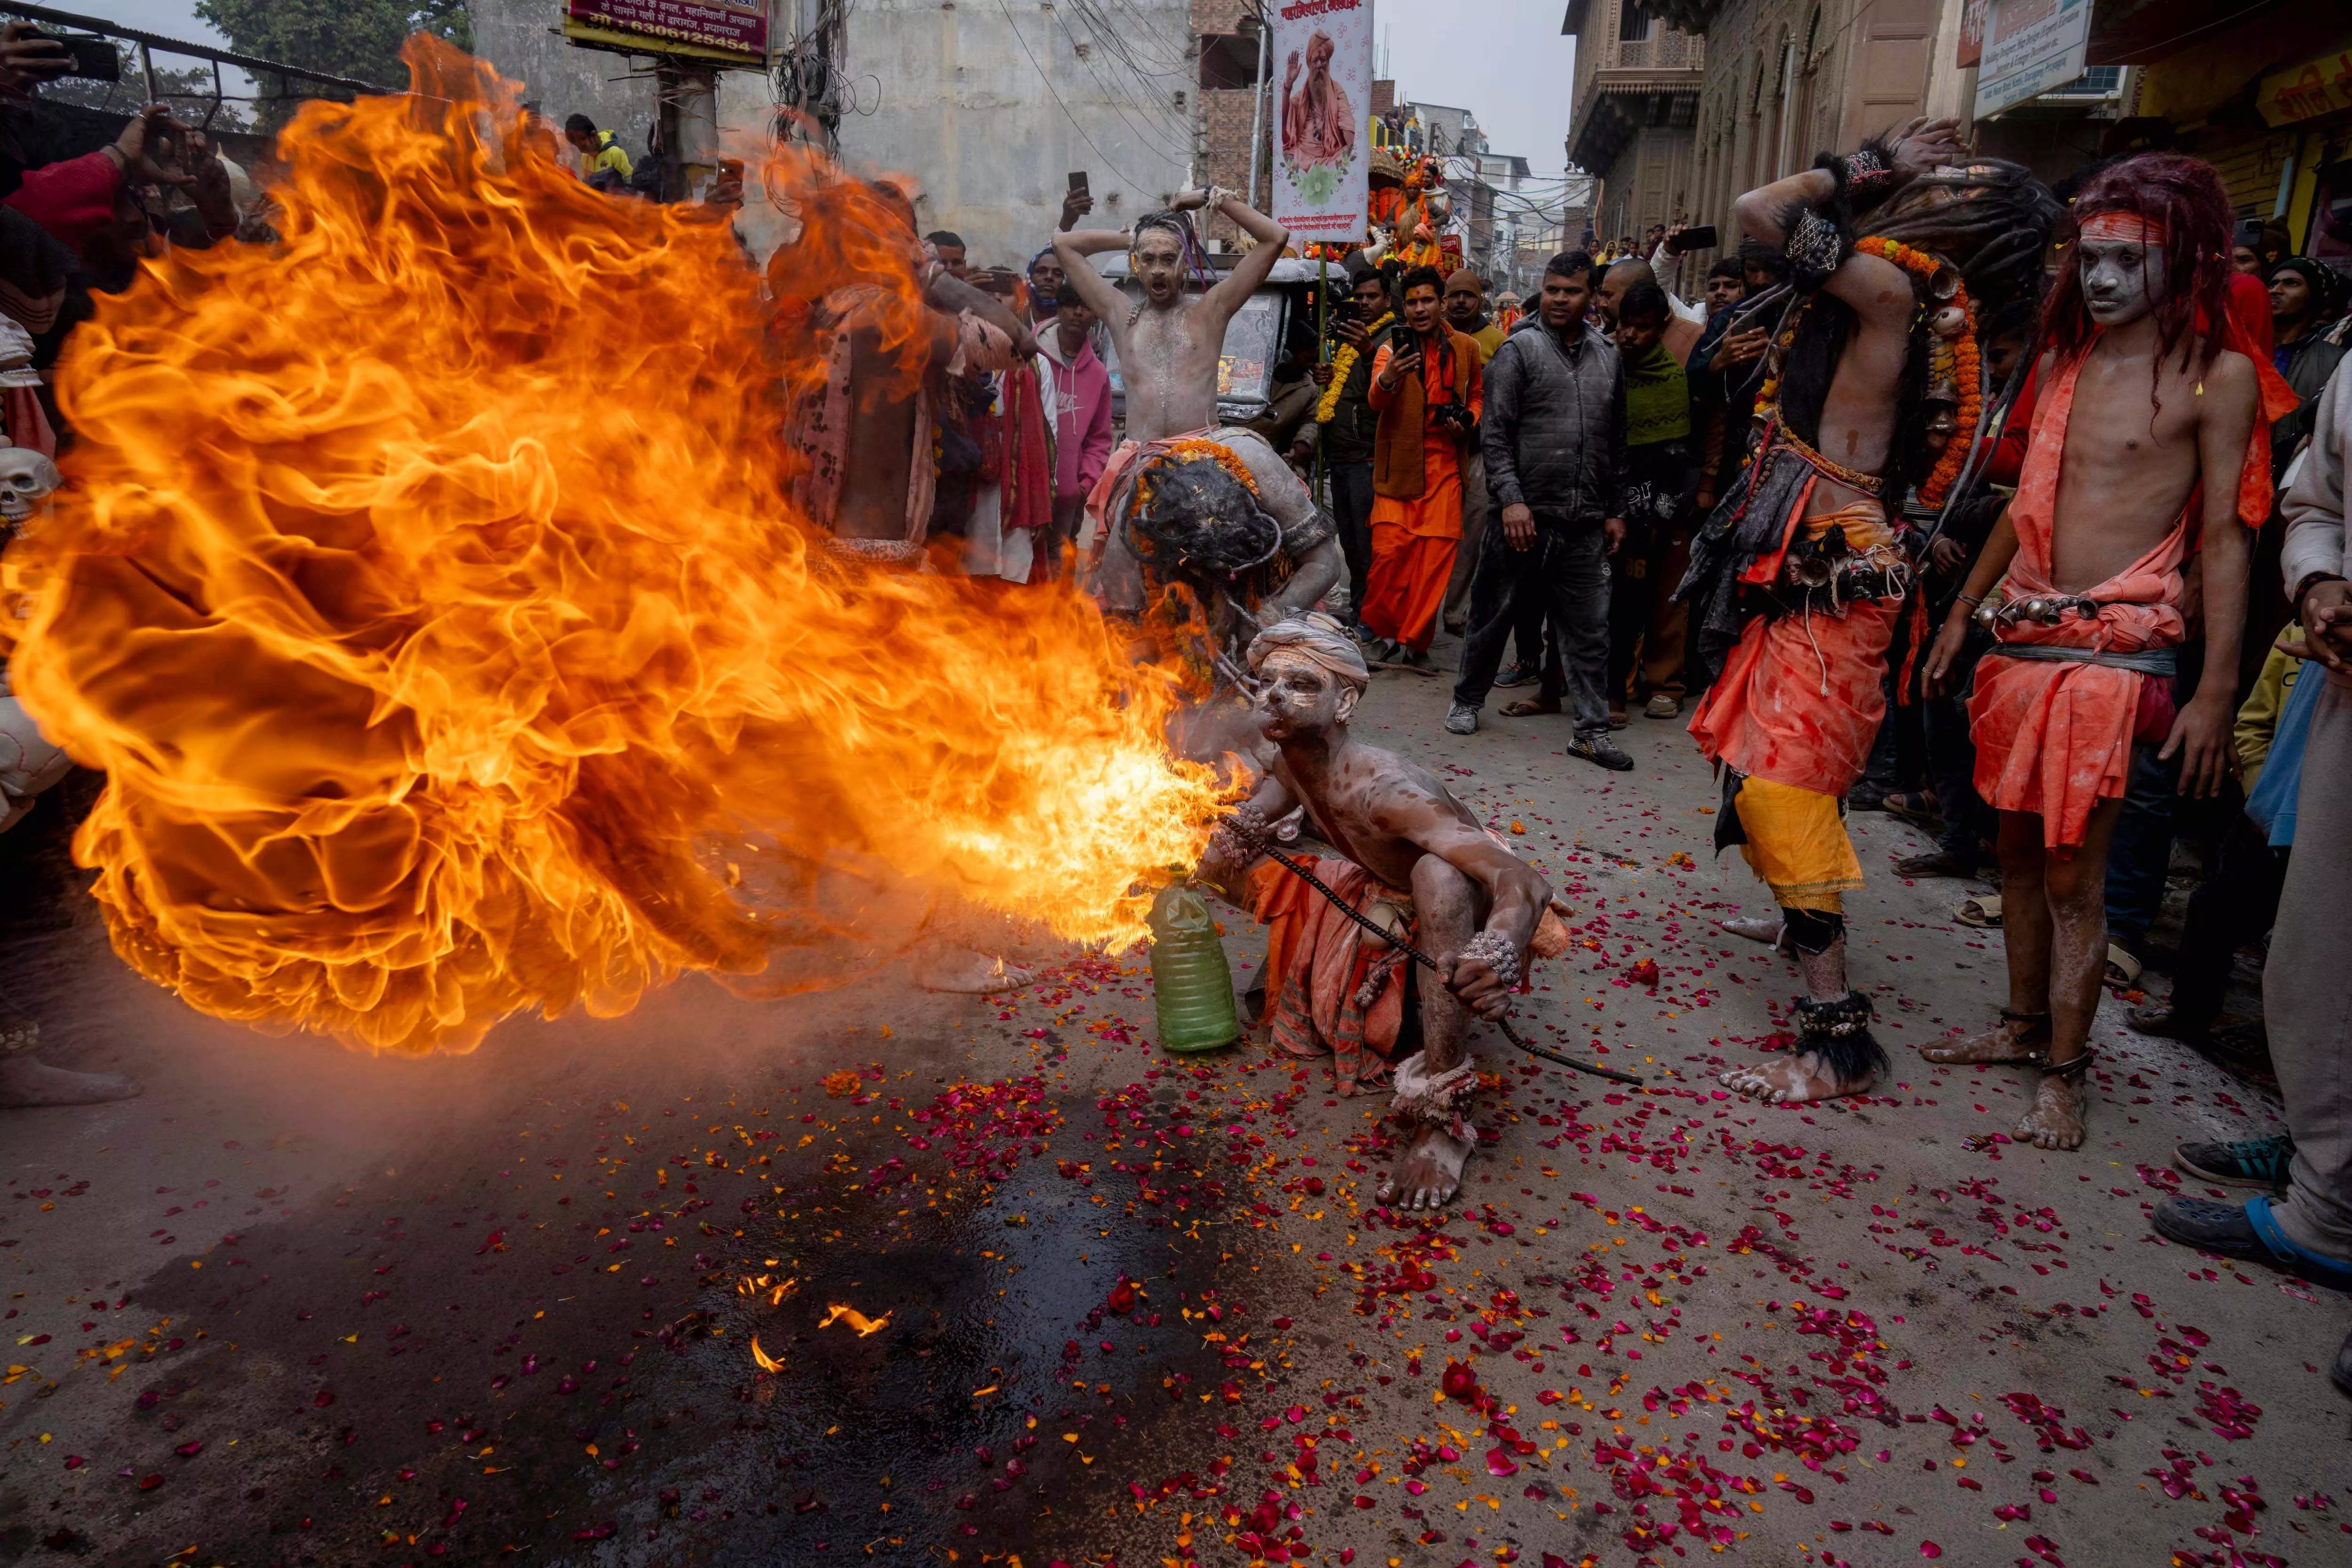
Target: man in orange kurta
{"points": [[1428, 398]]}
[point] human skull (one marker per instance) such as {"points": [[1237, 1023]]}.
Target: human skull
{"points": [[26, 477]]}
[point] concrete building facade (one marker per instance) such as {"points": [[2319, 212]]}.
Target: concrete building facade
{"points": [[989, 107], [1787, 79], [1636, 103]]}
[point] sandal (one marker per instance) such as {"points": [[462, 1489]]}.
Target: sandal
{"points": [[1934, 863], [1527, 707], [2123, 969], [1982, 911], [1917, 806]]}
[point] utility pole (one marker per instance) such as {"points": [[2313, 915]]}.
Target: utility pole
{"points": [[1257, 100]]}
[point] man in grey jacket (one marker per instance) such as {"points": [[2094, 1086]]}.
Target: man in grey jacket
{"points": [[2307, 1005], [1554, 434]]}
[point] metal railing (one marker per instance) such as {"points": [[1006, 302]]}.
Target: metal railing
{"points": [[150, 42]]}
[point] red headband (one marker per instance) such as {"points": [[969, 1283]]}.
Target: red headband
{"points": [[2129, 227]]}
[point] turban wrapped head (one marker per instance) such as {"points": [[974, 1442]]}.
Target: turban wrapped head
{"points": [[1317, 638]]}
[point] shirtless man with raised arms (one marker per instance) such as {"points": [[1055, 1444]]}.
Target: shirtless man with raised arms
{"points": [[1474, 905], [1167, 345], [2145, 396], [1168, 348]]}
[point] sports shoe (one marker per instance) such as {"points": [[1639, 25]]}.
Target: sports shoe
{"points": [[1520, 674], [1602, 750], [2246, 1163], [1461, 719], [1663, 705], [2250, 1233]]}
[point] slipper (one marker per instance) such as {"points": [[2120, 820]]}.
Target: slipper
{"points": [[1934, 863], [1916, 806], [2316, 1266], [1983, 912], [2123, 969], [1525, 708], [2248, 1233]]}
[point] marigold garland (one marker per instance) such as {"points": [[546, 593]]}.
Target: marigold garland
{"points": [[1187, 450], [1965, 356], [1965, 359], [1342, 364]]}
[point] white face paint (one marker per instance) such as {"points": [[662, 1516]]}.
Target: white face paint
{"points": [[2122, 280]]}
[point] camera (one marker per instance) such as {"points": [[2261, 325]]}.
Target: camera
{"points": [[1455, 413]]}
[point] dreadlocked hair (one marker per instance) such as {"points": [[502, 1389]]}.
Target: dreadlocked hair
{"points": [[2187, 197], [1193, 514], [1994, 231], [1167, 218]]}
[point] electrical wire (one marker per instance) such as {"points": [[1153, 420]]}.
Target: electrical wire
{"points": [[1056, 97], [1114, 93]]}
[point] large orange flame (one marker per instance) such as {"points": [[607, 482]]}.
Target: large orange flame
{"points": [[428, 590]]}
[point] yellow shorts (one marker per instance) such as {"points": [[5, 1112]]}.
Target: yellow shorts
{"points": [[1797, 843]]}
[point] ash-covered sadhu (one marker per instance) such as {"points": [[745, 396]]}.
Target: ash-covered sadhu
{"points": [[1797, 580], [1413, 859], [2154, 392]]}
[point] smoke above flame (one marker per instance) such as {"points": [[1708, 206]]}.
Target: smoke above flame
{"points": [[430, 592]]}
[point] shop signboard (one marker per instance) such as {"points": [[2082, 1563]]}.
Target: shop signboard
{"points": [[699, 28], [2029, 47]]}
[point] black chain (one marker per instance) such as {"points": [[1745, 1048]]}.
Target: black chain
{"points": [[1340, 904]]}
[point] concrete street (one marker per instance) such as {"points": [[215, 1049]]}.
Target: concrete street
{"points": [[1030, 1286]]}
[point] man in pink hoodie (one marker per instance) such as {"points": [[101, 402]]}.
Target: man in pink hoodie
{"points": [[1078, 391]]}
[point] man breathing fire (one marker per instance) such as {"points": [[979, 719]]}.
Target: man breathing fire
{"points": [[1412, 847]]}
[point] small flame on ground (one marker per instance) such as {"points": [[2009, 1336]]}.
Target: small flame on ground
{"points": [[766, 1362], [856, 1320]]}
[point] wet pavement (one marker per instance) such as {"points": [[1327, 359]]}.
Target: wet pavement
{"points": [[1021, 1284]]}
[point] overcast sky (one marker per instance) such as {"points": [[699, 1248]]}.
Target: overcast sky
{"points": [[1504, 60]]}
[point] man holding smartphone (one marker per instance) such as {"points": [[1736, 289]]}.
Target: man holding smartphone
{"points": [[1427, 390]]}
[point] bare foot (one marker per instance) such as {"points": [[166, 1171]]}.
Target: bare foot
{"points": [[2011, 1040], [948, 967], [1756, 928], [2056, 1120], [24, 1083], [1431, 1173], [1793, 1080]]}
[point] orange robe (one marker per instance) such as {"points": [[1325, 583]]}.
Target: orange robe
{"points": [[2055, 738], [1413, 542]]}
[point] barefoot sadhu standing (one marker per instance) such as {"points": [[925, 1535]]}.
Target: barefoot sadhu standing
{"points": [[1797, 580], [2150, 444]]}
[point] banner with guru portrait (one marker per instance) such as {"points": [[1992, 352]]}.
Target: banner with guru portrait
{"points": [[1322, 70]]}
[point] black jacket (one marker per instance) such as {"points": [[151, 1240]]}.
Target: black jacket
{"points": [[1347, 438], [1554, 430]]}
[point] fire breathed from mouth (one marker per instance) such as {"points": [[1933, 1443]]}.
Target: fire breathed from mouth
{"points": [[430, 592]]}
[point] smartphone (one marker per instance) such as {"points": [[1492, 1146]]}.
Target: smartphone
{"points": [[1078, 183], [93, 57], [2250, 232], [1702, 237]]}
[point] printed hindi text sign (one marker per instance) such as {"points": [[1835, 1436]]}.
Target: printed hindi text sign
{"points": [[1322, 102], [708, 23], [2031, 46]]}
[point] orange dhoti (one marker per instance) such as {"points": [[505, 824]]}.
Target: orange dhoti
{"points": [[1413, 543], [1795, 713], [2055, 708]]}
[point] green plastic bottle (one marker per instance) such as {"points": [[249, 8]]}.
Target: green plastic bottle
{"points": [[1193, 984]]}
